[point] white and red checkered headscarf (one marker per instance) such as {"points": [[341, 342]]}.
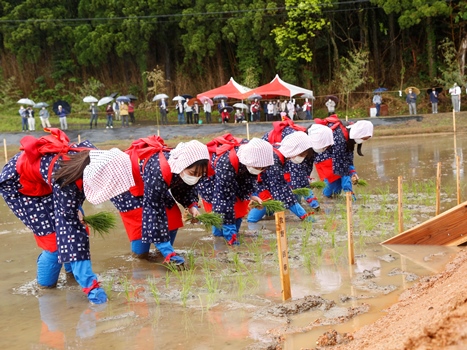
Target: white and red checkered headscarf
{"points": [[361, 129], [294, 144], [185, 154], [321, 136], [256, 153], [107, 175]]}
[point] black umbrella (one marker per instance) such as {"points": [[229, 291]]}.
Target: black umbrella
{"points": [[187, 96], [334, 98], [132, 97], [220, 97], [438, 90], [65, 105], [113, 94], [228, 108]]}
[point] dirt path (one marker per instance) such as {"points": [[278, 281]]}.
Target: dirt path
{"points": [[430, 315]]}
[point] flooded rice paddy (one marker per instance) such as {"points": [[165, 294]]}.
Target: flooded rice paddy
{"points": [[230, 298]]}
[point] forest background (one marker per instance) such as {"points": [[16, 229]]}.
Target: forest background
{"points": [[66, 49]]}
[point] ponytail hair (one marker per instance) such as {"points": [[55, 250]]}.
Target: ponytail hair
{"points": [[71, 168]]}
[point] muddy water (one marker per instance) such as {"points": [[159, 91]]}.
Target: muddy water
{"points": [[230, 300]]}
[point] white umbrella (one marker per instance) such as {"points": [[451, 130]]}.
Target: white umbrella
{"points": [[307, 96], [41, 104], [160, 97], [178, 98], [240, 105], [26, 101], [105, 100], [89, 99]]}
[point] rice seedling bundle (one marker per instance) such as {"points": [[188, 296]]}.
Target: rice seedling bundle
{"points": [[317, 184], [207, 219], [304, 192], [272, 206], [101, 223]]}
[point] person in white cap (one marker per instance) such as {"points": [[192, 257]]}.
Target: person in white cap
{"points": [[272, 183], [236, 164], [334, 162], [296, 175], [46, 181], [163, 177]]}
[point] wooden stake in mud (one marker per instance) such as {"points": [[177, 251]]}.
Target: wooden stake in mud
{"points": [[6, 153], [350, 228], [79, 138], [282, 250], [438, 187], [458, 180], [454, 120], [399, 204]]}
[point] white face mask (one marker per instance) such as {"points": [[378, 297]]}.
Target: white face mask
{"points": [[297, 159], [359, 140], [253, 171], [189, 179], [319, 150]]}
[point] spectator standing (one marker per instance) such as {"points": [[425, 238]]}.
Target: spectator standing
{"points": [[180, 112], [307, 109], [270, 110], [225, 116], [276, 110], [255, 109], [377, 100], [124, 114], [31, 119], [116, 108], [131, 111], [411, 100], [207, 111], [189, 112], [434, 101], [331, 106], [62, 113], [455, 92], [93, 109], [44, 116], [109, 111], [163, 109], [291, 109], [196, 113], [239, 117], [24, 118]]}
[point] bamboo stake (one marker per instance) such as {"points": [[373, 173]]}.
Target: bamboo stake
{"points": [[458, 180], [247, 131], [399, 204], [79, 138], [454, 119], [350, 244], [6, 153], [283, 255], [438, 187]]}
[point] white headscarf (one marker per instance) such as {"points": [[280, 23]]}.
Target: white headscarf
{"points": [[256, 153], [321, 136], [361, 129], [107, 175], [294, 144], [185, 154]]}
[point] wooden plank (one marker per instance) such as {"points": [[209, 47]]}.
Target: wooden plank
{"points": [[283, 253], [448, 228]]}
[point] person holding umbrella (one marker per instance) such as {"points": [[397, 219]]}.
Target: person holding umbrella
{"points": [[331, 106], [109, 111], [207, 111], [124, 114], [455, 92], [411, 100], [93, 109], [225, 115], [189, 112], [163, 109], [131, 111], [44, 117], [196, 112], [180, 112], [255, 108], [62, 113], [24, 118], [377, 100]]}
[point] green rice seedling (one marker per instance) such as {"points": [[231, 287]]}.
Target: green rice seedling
{"points": [[186, 278], [209, 220], [239, 266], [107, 285], [101, 223], [332, 235], [272, 206], [361, 182], [302, 192], [318, 184], [337, 253], [127, 287], [154, 290], [168, 276], [190, 260]]}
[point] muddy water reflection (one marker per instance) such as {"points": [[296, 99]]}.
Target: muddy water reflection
{"points": [[146, 304]]}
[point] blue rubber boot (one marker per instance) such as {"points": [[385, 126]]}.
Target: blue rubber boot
{"points": [[48, 269], [87, 279], [140, 249]]}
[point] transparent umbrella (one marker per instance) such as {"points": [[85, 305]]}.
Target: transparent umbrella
{"points": [[89, 99]]}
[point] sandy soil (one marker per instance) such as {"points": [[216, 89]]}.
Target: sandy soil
{"points": [[430, 315]]}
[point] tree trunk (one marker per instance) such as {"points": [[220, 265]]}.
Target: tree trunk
{"points": [[462, 53], [430, 48], [376, 54]]}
